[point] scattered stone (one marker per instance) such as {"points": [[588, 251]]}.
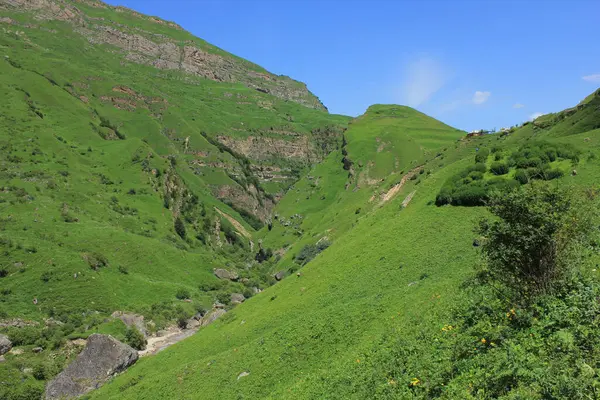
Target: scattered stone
{"points": [[237, 298], [5, 344], [476, 243], [16, 352], [243, 374], [17, 323], [224, 274], [102, 358], [37, 349], [28, 370], [412, 283], [280, 275], [574, 172], [219, 305]]}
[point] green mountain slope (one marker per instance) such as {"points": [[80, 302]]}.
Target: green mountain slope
{"points": [[389, 282], [125, 182], [136, 159]]}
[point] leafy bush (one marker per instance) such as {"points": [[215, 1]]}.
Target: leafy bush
{"points": [[96, 260], [499, 168], [539, 236], [310, 251], [179, 227], [482, 155], [182, 294], [135, 338]]}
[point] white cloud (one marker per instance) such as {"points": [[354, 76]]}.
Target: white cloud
{"points": [[535, 116], [424, 77], [519, 105], [481, 97], [595, 78]]}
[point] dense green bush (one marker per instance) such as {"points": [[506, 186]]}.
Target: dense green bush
{"points": [[180, 227], [482, 155], [499, 168], [310, 251], [539, 237], [135, 338], [182, 294]]}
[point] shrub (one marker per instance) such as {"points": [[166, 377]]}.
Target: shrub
{"points": [[96, 260], [123, 270], [182, 294], [539, 237], [499, 168], [135, 338], [310, 251], [179, 227], [521, 176], [482, 155]]}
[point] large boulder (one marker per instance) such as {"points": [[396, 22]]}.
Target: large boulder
{"points": [[5, 344], [102, 358], [237, 298], [224, 274]]}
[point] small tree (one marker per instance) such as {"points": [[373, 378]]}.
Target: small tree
{"points": [[540, 236]]}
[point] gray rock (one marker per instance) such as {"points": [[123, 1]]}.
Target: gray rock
{"points": [[5, 344], [192, 323], [102, 358], [280, 275], [237, 298], [131, 319], [212, 316], [224, 274], [37, 349]]}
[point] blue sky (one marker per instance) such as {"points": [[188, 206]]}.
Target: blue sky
{"points": [[472, 64]]}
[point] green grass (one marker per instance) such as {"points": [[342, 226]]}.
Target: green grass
{"points": [[68, 195]]}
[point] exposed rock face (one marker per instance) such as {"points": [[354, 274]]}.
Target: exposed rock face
{"points": [[131, 319], [164, 52], [224, 274], [5, 344], [103, 357], [265, 148]]}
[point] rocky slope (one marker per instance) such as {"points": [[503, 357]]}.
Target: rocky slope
{"points": [[171, 49]]}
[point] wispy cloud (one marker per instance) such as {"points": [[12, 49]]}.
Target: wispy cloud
{"points": [[423, 78], [481, 97], [519, 105], [535, 116], [595, 78]]}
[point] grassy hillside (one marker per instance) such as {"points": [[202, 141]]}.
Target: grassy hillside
{"points": [[105, 158], [387, 287], [136, 159]]}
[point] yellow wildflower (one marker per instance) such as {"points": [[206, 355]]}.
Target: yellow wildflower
{"points": [[483, 341], [414, 382]]}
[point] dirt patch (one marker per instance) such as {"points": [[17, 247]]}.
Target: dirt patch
{"points": [[238, 227], [396, 188], [408, 198]]}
